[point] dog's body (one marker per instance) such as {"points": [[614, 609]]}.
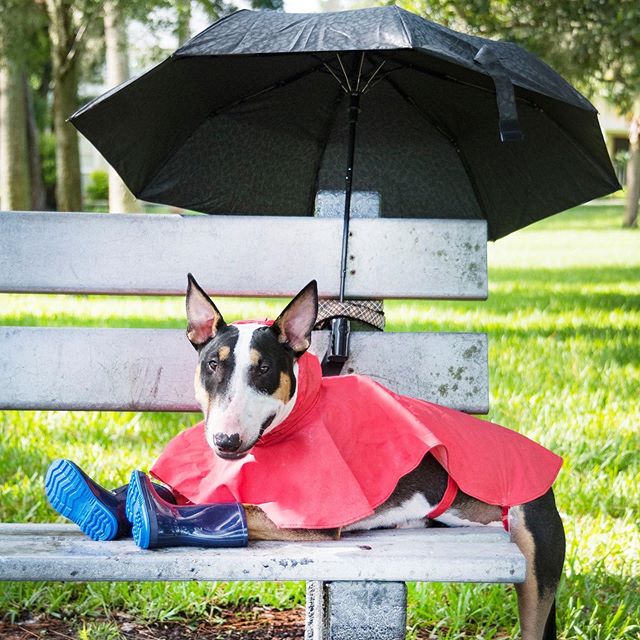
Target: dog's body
{"points": [[246, 384]]}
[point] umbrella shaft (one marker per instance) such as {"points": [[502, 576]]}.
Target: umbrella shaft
{"points": [[354, 109]]}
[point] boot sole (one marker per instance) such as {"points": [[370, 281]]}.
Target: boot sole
{"points": [[70, 495], [138, 512]]}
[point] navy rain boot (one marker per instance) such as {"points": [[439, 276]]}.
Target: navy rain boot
{"points": [[98, 512], [157, 523]]}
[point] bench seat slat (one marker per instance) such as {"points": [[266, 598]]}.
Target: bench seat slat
{"points": [[482, 554], [244, 256], [152, 369]]}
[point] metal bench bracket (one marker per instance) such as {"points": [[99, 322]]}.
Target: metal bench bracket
{"points": [[356, 610]]}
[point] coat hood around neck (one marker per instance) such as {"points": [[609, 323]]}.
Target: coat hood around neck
{"points": [[309, 381]]}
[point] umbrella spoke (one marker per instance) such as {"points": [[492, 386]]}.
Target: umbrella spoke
{"points": [[465, 83], [442, 129], [276, 85], [344, 72], [322, 146], [380, 78], [566, 134], [353, 84], [332, 72], [360, 73], [372, 76]]}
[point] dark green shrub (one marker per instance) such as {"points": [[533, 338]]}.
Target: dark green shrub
{"points": [[98, 185]]}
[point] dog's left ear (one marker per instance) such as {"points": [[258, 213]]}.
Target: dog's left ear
{"points": [[294, 325]]}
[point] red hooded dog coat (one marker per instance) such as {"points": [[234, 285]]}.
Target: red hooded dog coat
{"points": [[343, 448]]}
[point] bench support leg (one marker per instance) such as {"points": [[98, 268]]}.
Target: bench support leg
{"points": [[356, 610]]}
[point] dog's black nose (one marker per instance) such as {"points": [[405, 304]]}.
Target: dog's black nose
{"points": [[227, 443]]}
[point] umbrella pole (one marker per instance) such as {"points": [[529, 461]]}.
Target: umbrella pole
{"points": [[354, 108], [340, 327]]}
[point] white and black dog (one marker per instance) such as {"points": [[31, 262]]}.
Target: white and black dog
{"points": [[245, 382]]}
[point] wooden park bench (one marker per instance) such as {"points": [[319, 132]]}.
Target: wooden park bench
{"points": [[355, 586]]}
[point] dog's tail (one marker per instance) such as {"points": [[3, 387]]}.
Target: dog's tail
{"points": [[550, 632]]}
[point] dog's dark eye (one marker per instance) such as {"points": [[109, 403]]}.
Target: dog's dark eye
{"points": [[212, 365], [263, 368]]}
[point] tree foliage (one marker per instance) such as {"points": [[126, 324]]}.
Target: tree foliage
{"points": [[593, 43], [23, 33]]}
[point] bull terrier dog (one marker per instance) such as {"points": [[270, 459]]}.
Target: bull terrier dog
{"points": [[247, 384]]}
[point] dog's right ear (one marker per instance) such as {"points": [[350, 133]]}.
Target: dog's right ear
{"points": [[204, 319]]}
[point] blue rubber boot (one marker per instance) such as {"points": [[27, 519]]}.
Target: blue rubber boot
{"points": [[100, 513], [157, 523]]}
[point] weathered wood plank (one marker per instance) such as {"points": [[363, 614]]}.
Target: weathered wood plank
{"points": [[152, 369], [29, 552], [245, 256]]}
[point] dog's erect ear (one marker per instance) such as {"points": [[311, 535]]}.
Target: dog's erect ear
{"points": [[294, 325], [204, 319]]}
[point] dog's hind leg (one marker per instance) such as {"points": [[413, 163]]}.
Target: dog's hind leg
{"points": [[537, 530], [262, 528]]}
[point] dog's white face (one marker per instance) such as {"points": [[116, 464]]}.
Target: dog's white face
{"points": [[245, 380]]}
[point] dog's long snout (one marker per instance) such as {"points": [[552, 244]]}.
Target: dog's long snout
{"points": [[227, 443]]}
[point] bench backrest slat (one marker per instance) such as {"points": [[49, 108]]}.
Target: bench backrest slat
{"points": [[152, 369], [240, 255]]}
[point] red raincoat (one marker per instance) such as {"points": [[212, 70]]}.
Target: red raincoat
{"points": [[343, 448]]}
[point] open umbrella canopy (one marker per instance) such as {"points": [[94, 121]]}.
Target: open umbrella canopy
{"points": [[252, 116]]}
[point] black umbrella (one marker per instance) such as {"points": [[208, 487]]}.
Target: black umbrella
{"points": [[258, 113]]}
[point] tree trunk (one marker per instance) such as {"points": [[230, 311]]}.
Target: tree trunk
{"points": [[183, 21], [38, 190], [633, 169], [121, 200], [65, 102], [15, 191]]}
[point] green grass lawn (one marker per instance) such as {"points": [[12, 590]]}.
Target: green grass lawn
{"points": [[563, 319]]}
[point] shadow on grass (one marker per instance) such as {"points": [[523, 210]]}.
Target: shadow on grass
{"points": [[600, 275], [588, 218], [72, 320], [582, 302], [533, 300], [605, 344]]}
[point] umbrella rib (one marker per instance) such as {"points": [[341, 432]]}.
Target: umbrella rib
{"points": [[443, 131], [215, 112], [360, 73], [519, 99], [275, 85], [586, 156], [332, 72], [372, 76], [447, 78], [324, 142], [344, 71]]}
